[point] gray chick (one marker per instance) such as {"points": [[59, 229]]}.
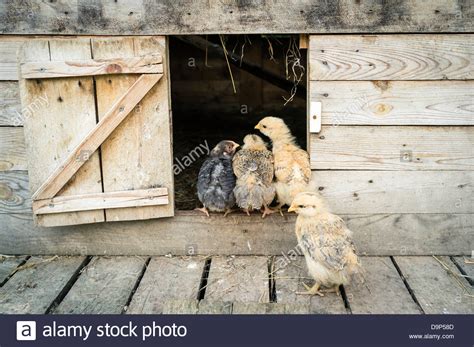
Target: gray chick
{"points": [[216, 179]]}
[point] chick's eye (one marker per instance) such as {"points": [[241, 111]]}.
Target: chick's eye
{"points": [[300, 206], [264, 126]]}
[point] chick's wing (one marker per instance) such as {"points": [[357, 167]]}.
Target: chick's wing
{"points": [[329, 244]]}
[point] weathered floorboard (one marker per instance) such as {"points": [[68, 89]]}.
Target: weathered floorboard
{"points": [[103, 287], [159, 17], [383, 292], [8, 265], [289, 274], [467, 265], [267, 308], [395, 102], [186, 306], [374, 234], [35, 288], [435, 289], [238, 279], [393, 148], [391, 57], [215, 307], [167, 281]]}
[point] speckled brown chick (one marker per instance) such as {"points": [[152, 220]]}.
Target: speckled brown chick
{"points": [[253, 166]]}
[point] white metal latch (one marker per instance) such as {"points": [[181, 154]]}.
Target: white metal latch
{"points": [[315, 117]]}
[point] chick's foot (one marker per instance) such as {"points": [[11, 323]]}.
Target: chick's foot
{"points": [[314, 290], [334, 289], [266, 211], [228, 211], [203, 210]]}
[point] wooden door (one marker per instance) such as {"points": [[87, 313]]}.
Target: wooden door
{"points": [[98, 130]]}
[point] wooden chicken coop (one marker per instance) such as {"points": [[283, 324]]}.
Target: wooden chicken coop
{"points": [[108, 109]]}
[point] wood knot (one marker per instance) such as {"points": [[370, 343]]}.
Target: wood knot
{"points": [[114, 68], [381, 109], [5, 192], [382, 85]]}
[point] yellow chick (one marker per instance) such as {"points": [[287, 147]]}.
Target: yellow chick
{"points": [[326, 243], [253, 167], [292, 167]]}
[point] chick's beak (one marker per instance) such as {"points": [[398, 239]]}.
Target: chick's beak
{"points": [[236, 145], [292, 209], [257, 126]]}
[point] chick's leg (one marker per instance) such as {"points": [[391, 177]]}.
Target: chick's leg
{"points": [[277, 208], [334, 289], [314, 290], [203, 210], [266, 211], [228, 211]]}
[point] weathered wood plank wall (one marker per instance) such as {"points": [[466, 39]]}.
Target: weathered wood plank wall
{"points": [[397, 134]]}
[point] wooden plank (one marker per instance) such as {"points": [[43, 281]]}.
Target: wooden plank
{"points": [[215, 307], [33, 290], [238, 279], [64, 109], [97, 201], [374, 234], [361, 192], [12, 149], [146, 136], [467, 265], [307, 16], [104, 286], [166, 281], [89, 144], [290, 272], [435, 290], [383, 292], [188, 306], [92, 67], [267, 308], [8, 59], [14, 194], [395, 102], [10, 109], [392, 148], [8, 265], [391, 57]]}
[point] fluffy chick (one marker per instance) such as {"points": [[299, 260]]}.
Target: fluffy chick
{"points": [[292, 167], [216, 180], [326, 243], [253, 166]]}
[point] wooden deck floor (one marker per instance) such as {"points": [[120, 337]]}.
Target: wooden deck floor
{"points": [[240, 284]]}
